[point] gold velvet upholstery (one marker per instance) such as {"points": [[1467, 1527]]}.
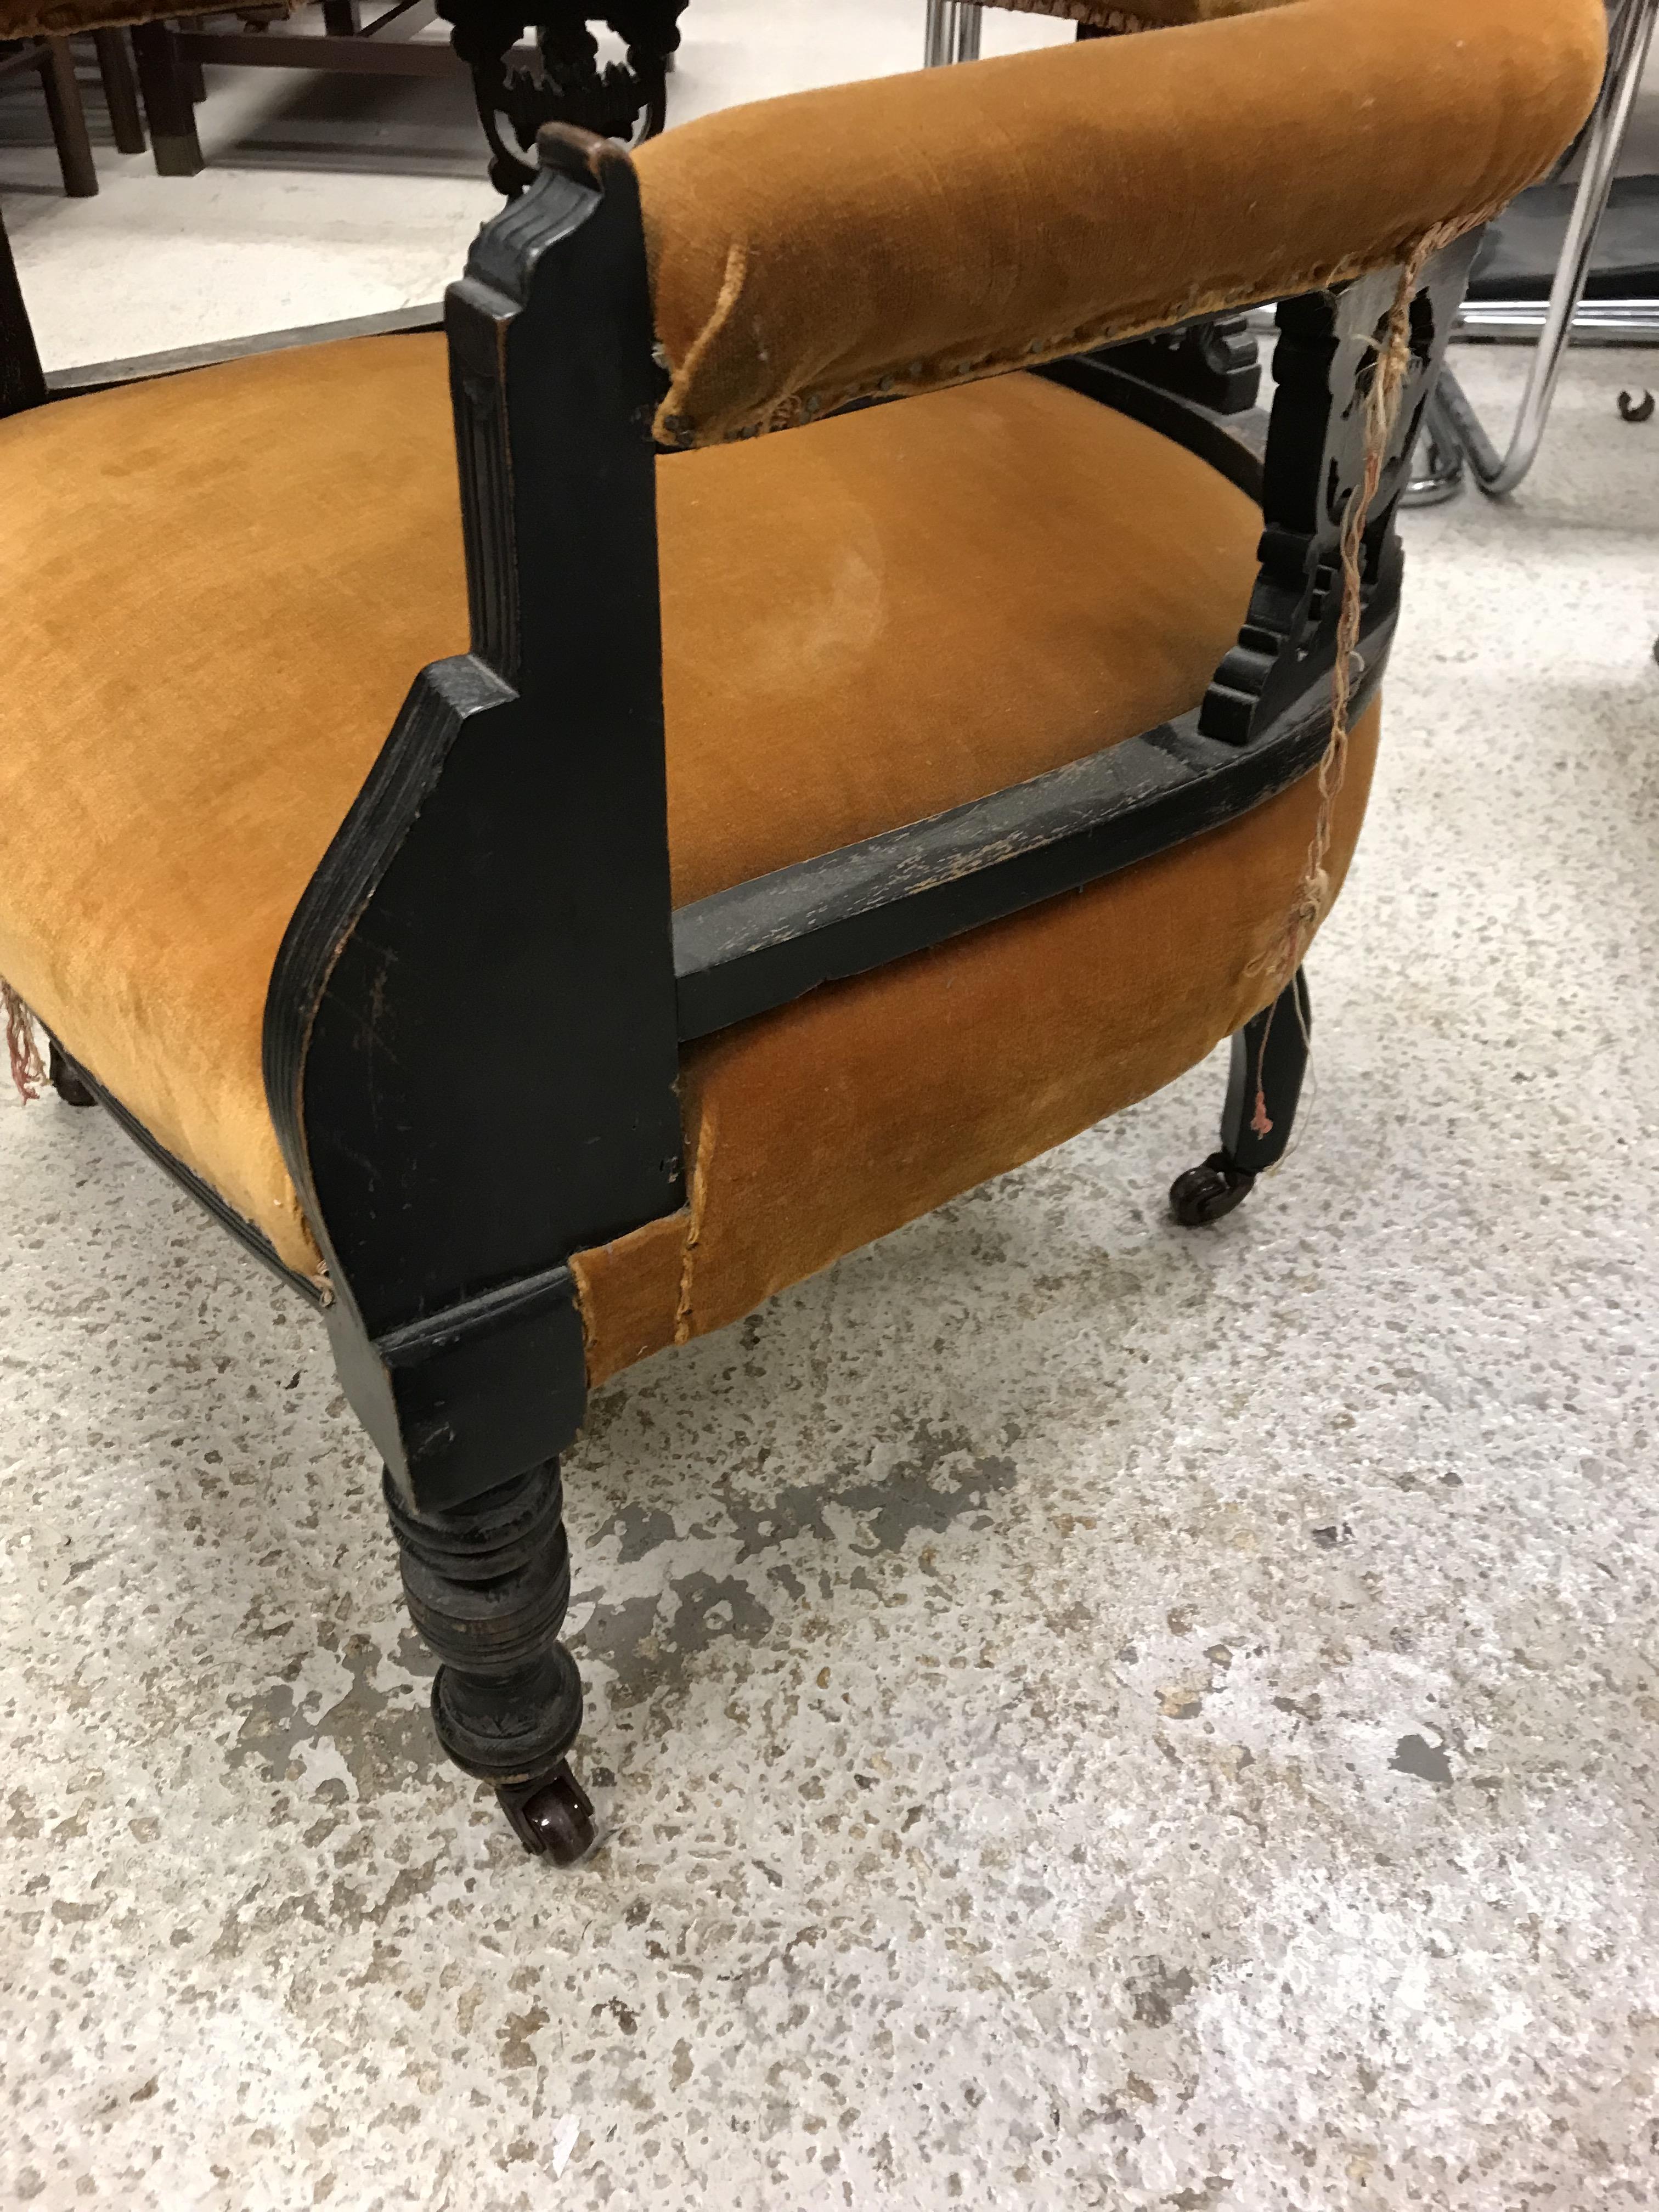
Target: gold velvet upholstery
{"points": [[914, 231], [208, 628], [864, 622], [880, 616]]}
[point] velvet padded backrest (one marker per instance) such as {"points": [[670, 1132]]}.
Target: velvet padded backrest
{"points": [[914, 231]]}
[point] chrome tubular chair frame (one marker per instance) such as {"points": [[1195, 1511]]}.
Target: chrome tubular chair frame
{"points": [[953, 28], [1456, 435]]}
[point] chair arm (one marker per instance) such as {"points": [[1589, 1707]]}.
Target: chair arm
{"points": [[914, 231]]}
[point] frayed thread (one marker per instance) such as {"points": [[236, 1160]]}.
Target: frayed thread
{"points": [[702, 1158], [28, 1070], [1312, 896], [1261, 1121]]}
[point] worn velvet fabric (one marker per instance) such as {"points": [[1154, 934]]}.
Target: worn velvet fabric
{"points": [[864, 622], [913, 231]]}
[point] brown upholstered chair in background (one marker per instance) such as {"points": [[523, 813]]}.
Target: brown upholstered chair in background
{"points": [[928, 743]]}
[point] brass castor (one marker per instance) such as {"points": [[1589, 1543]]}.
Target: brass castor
{"points": [[551, 1816], [66, 1078], [1204, 1193]]}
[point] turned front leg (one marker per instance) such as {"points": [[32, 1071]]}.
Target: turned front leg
{"points": [[488, 1584]]}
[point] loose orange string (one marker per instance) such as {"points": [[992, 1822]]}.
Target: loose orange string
{"points": [[1312, 895]]}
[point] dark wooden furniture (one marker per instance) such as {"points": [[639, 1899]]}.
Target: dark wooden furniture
{"points": [[54, 64], [120, 82], [517, 86], [54, 57]]}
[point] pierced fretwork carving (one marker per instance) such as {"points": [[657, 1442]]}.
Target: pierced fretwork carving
{"points": [[1322, 366], [570, 86]]}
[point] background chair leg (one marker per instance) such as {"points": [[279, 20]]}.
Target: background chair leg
{"points": [[120, 90], [68, 120], [487, 1585], [167, 105], [1270, 1058], [66, 1078]]}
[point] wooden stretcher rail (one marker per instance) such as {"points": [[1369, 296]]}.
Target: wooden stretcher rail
{"points": [[761, 944]]}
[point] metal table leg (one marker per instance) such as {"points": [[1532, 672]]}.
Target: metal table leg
{"points": [[953, 28], [1632, 34], [1438, 461]]}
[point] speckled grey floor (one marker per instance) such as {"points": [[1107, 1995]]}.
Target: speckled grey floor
{"points": [[1085, 1714]]}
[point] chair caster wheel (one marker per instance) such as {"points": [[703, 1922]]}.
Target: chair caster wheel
{"points": [[65, 1078], [1204, 1193], [552, 1816]]}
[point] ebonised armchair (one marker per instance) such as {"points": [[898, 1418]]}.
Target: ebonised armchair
{"points": [[828, 741]]}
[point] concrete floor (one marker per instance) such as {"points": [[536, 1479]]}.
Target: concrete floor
{"points": [[1085, 1714]]}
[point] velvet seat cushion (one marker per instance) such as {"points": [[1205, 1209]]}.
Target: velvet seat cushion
{"points": [[214, 590]]}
